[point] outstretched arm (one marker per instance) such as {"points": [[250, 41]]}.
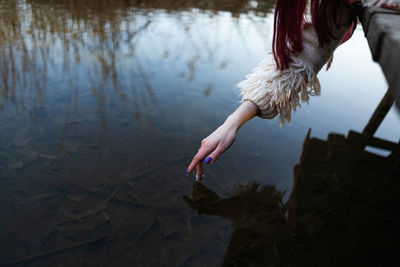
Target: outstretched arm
{"points": [[270, 91], [222, 138]]}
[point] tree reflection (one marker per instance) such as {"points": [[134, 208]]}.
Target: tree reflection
{"points": [[76, 49], [32, 32]]}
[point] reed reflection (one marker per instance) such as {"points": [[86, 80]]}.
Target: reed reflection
{"points": [[70, 69], [89, 36], [90, 55]]}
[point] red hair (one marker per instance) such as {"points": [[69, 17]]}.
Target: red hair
{"points": [[288, 20]]}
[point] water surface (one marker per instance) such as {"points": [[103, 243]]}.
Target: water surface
{"points": [[103, 104]]}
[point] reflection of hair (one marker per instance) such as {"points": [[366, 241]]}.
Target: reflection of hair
{"points": [[288, 20], [268, 194]]}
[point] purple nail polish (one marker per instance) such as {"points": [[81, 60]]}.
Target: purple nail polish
{"points": [[208, 160], [186, 172]]}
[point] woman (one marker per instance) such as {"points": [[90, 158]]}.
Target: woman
{"points": [[277, 86]]}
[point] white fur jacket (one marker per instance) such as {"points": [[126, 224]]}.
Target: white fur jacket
{"points": [[280, 92]]}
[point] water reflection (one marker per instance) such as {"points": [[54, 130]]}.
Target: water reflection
{"points": [[343, 211], [257, 214], [88, 42], [75, 58]]}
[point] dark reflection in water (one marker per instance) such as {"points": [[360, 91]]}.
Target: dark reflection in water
{"points": [[344, 210], [102, 104]]}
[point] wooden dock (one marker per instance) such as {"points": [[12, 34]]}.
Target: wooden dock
{"points": [[382, 30]]}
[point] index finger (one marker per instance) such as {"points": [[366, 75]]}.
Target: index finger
{"points": [[200, 156]]}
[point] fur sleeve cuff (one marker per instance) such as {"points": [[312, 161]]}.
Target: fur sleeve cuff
{"points": [[279, 92]]}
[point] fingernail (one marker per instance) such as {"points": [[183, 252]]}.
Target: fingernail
{"points": [[208, 160], [197, 177], [186, 172]]}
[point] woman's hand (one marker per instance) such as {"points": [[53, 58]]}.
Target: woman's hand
{"points": [[222, 138], [212, 147]]}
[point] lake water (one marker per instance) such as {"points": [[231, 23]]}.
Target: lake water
{"points": [[103, 104]]}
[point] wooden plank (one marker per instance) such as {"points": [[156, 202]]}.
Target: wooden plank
{"points": [[367, 13], [379, 114], [373, 141], [382, 30]]}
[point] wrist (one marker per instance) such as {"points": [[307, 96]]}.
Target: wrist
{"points": [[232, 122], [242, 114]]}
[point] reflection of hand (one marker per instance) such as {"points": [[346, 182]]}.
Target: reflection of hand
{"points": [[222, 138], [203, 200]]}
